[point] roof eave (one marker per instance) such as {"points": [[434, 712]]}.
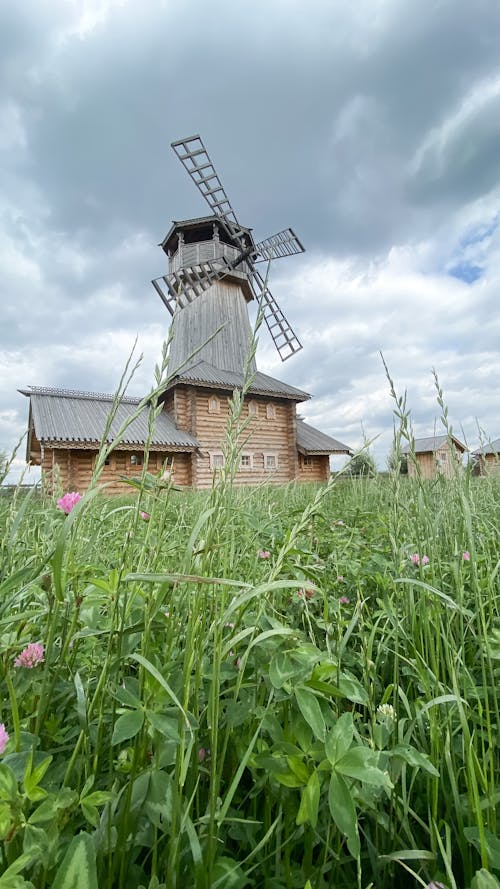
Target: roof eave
{"points": [[226, 387]]}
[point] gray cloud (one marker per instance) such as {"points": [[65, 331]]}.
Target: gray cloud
{"points": [[371, 128]]}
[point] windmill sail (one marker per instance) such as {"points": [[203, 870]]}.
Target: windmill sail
{"points": [[195, 159], [234, 253]]}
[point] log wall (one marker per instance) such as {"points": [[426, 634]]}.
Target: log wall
{"points": [[71, 469], [265, 437], [490, 464], [314, 469]]}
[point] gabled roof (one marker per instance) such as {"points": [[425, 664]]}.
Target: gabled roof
{"points": [[64, 415], [312, 441], [431, 444], [493, 447], [204, 374]]}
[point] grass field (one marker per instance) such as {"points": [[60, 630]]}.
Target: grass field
{"points": [[265, 688]]}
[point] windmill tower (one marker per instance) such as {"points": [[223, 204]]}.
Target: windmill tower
{"points": [[213, 275]]}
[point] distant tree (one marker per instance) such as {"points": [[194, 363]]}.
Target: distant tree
{"points": [[3, 466], [397, 459], [362, 465]]}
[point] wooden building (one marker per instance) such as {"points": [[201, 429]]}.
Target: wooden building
{"points": [[66, 427], [212, 277], [488, 457], [434, 455]]}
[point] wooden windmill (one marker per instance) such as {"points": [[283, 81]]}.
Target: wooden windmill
{"points": [[213, 274], [212, 277]]}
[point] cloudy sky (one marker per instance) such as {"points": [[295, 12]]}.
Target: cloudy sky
{"points": [[372, 128]]}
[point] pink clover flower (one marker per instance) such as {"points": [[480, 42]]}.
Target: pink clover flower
{"points": [[69, 501], [4, 737], [31, 656]]}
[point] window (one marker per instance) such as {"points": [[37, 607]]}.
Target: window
{"points": [[307, 461], [270, 462], [246, 461], [107, 461], [213, 405], [271, 411], [136, 459], [253, 409], [216, 460]]}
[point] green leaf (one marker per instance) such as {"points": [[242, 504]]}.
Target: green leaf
{"points": [[78, 867], [48, 810], [359, 763], [414, 758], [410, 855], [309, 803], [6, 820], [339, 739], [127, 726], [492, 843], [288, 779], [484, 880], [298, 768], [164, 724], [98, 798], [227, 874], [9, 877], [32, 778], [353, 690], [343, 812], [8, 783], [311, 711], [281, 669]]}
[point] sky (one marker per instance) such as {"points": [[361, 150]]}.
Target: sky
{"points": [[371, 128]]}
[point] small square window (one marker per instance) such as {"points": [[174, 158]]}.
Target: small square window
{"points": [[213, 405], [253, 409], [246, 461], [136, 459], [271, 411], [307, 461], [270, 461], [216, 461], [107, 461]]}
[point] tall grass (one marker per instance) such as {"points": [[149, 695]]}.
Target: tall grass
{"points": [[253, 687]]}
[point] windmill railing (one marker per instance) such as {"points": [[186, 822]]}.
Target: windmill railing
{"points": [[189, 255]]}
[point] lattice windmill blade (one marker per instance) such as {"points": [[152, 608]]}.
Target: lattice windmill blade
{"points": [[195, 159], [182, 289], [285, 340], [285, 243]]}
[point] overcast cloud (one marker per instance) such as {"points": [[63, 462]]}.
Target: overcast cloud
{"points": [[373, 129]]}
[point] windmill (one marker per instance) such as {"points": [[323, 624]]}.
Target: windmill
{"points": [[208, 251]]}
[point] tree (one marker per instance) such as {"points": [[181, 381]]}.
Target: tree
{"points": [[396, 461], [362, 465]]}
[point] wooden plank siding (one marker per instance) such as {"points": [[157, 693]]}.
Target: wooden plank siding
{"points": [[432, 463]]}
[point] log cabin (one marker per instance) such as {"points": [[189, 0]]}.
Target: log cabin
{"points": [[488, 457], [435, 455]]}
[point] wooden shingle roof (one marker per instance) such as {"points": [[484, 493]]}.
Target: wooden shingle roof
{"points": [[493, 447], [312, 441], [431, 444], [204, 374], [65, 415]]}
